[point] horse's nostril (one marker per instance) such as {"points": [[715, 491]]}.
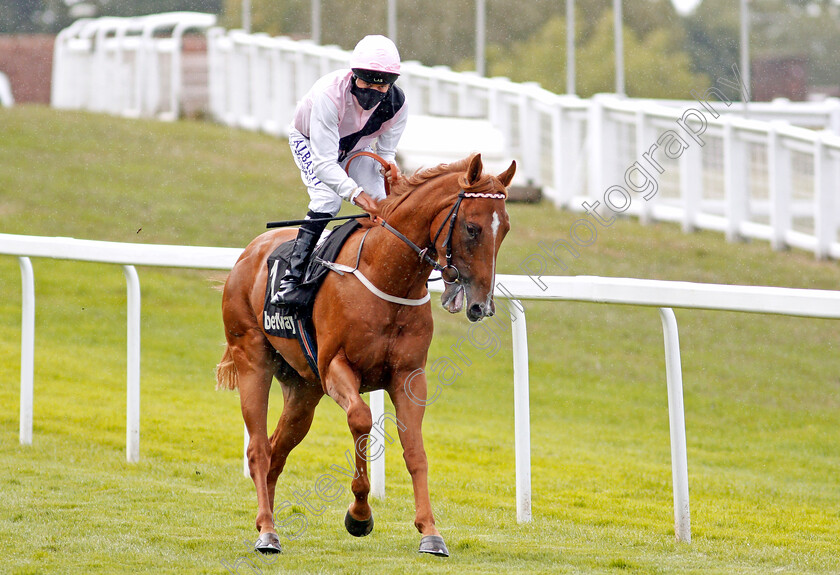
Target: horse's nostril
{"points": [[477, 309]]}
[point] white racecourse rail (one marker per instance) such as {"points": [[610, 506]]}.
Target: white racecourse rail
{"points": [[751, 171], [661, 294], [125, 66], [759, 170]]}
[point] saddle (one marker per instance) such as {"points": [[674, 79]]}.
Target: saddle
{"points": [[296, 322]]}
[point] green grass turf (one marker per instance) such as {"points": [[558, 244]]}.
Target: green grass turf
{"points": [[762, 393]]}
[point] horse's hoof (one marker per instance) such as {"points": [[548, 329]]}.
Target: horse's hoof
{"points": [[358, 528], [268, 543], [433, 545]]}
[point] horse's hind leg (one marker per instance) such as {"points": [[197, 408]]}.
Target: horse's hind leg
{"points": [[299, 402], [342, 384], [255, 365]]}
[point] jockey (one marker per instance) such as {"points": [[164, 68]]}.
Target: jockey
{"points": [[343, 113]]}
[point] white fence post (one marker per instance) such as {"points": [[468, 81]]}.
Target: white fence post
{"points": [[596, 160], [735, 168], [691, 186], [261, 73], [561, 188], [825, 188], [676, 416], [6, 97], [833, 120], [779, 184], [132, 411], [644, 138], [27, 350], [521, 412], [377, 465], [530, 135]]}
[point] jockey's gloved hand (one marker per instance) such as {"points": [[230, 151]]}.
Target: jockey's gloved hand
{"points": [[368, 204], [391, 173]]}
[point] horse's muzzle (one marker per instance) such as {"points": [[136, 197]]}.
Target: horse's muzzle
{"points": [[479, 310], [475, 312], [455, 296]]}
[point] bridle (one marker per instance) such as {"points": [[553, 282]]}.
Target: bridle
{"points": [[448, 273]]}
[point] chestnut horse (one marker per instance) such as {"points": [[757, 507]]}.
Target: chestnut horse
{"points": [[366, 340]]}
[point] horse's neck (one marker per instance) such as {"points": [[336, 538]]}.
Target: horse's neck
{"points": [[394, 261]]}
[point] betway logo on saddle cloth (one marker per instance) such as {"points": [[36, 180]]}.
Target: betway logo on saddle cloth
{"points": [[277, 322]]}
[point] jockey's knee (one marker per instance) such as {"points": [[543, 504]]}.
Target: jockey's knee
{"points": [[324, 201]]}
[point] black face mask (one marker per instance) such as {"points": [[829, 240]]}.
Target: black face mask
{"points": [[366, 97]]}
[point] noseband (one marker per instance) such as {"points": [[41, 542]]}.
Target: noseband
{"points": [[448, 273]]}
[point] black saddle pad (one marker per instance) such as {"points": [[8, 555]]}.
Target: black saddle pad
{"points": [[296, 323]]}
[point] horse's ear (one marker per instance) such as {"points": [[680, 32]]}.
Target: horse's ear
{"points": [[474, 169], [507, 176]]}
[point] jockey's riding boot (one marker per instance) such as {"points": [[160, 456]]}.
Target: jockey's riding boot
{"points": [[307, 237]]}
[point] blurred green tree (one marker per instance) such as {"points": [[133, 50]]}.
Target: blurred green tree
{"points": [[525, 40], [18, 16], [655, 66], [51, 16], [809, 29]]}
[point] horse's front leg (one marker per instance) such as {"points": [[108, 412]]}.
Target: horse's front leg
{"points": [[343, 384], [408, 393]]}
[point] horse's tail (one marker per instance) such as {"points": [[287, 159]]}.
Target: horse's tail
{"points": [[226, 375]]}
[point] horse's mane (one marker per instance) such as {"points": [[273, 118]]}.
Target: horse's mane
{"points": [[402, 188]]}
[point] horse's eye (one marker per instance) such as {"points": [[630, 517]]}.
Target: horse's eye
{"points": [[473, 230]]}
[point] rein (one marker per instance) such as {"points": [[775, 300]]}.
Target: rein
{"points": [[448, 277], [385, 166], [448, 273], [423, 253]]}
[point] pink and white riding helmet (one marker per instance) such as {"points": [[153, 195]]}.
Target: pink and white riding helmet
{"points": [[376, 60]]}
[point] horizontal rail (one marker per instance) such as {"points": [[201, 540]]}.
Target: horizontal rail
{"points": [[676, 294], [662, 294], [197, 257], [627, 291]]}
